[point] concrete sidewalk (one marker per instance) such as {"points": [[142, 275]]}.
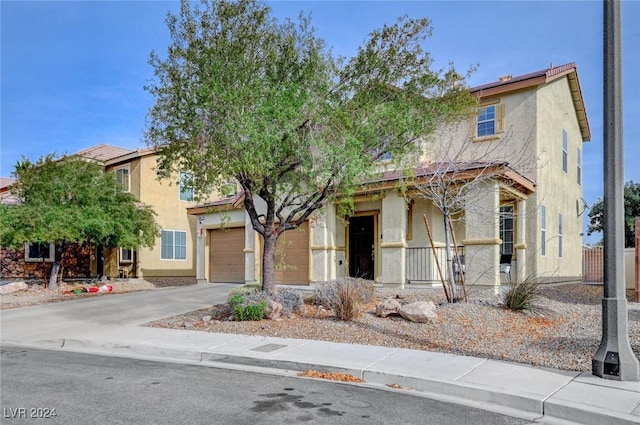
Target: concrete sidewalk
{"points": [[543, 395]]}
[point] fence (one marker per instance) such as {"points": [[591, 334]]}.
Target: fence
{"points": [[593, 265], [421, 264]]}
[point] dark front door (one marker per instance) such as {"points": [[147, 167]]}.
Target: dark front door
{"points": [[362, 247]]}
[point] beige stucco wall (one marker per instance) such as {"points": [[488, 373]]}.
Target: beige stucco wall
{"points": [[163, 196], [557, 190]]}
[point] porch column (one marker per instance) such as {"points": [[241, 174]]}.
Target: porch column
{"points": [[201, 252], [482, 231], [324, 251], [249, 251], [393, 243], [521, 242]]}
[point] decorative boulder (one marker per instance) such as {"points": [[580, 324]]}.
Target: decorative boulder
{"points": [[12, 287], [421, 312], [387, 307], [274, 309]]}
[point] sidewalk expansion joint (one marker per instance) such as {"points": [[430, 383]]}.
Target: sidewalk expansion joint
{"points": [[457, 378]]}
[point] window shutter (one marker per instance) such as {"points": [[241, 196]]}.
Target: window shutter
{"points": [[499, 118], [473, 125]]}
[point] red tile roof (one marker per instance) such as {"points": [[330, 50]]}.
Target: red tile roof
{"points": [[103, 152]]}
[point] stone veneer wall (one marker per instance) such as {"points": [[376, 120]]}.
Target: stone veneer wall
{"points": [[77, 264]]}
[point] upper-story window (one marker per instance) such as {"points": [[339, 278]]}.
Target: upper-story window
{"points": [[186, 186], [122, 176], [39, 251], [579, 167], [490, 120], [565, 151]]}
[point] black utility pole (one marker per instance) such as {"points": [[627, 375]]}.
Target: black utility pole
{"points": [[614, 358]]}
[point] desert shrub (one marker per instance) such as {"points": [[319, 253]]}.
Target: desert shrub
{"points": [[291, 300], [520, 296], [345, 296], [245, 289], [246, 307]]}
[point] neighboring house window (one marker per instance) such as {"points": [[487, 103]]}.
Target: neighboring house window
{"points": [[559, 235], [543, 230], [490, 120], [579, 167], [173, 245], [39, 251], [186, 186], [506, 229], [229, 189], [126, 255], [565, 151], [122, 176]]}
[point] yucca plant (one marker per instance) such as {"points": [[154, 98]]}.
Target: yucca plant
{"points": [[521, 296]]}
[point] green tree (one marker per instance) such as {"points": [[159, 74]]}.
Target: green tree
{"points": [[72, 200], [631, 211], [243, 96]]}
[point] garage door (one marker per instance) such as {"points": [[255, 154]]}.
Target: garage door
{"points": [[226, 256], [292, 257]]}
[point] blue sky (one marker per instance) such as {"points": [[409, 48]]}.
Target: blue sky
{"points": [[72, 73]]}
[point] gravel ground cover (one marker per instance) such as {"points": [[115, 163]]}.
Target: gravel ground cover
{"points": [[563, 331]]}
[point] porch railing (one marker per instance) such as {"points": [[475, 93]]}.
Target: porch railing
{"points": [[421, 264]]}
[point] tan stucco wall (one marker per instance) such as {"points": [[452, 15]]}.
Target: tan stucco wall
{"points": [[163, 197], [557, 190]]}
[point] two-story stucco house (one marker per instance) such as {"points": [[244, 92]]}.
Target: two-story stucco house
{"points": [[173, 255], [529, 211]]}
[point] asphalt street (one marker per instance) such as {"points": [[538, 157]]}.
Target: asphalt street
{"points": [[54, 387]]}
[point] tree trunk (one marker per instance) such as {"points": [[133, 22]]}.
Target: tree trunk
{"points": [[55, 270], [269, 262], [53, 278]]}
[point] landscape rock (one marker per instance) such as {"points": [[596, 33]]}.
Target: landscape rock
{"points": [[387, 307], [206, 319], [420, 312], [12, 287], [274, 309]]}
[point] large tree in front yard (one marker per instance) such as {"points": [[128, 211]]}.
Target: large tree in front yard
{"points": [[241, 96], [71, 200]]}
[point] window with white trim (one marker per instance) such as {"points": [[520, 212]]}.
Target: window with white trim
{"points": [[126, 255], [506, 229], [186, 186], [579, 167], [39, 251], [565, 151], [559, 235], [123, 178], [173, 245], [543, 230]]}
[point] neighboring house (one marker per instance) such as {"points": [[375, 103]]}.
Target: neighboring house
{"points": [[173, 255], [530, 212]]}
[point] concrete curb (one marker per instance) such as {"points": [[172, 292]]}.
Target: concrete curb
{"points": [[546, 409]]}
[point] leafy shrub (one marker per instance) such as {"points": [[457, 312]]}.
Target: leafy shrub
{"points": [[520, 296], [345, 296], [247, 309]]}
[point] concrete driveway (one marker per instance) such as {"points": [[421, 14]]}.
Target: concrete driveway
{"points": [[93, 315]]}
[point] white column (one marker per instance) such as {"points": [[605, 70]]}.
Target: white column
{"points": [[391, 265]]}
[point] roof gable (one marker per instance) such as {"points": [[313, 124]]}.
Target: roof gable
{"points": [[510, 84]]}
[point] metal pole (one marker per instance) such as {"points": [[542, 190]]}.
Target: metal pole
{"points": [[614, 358], [637, 256]]}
